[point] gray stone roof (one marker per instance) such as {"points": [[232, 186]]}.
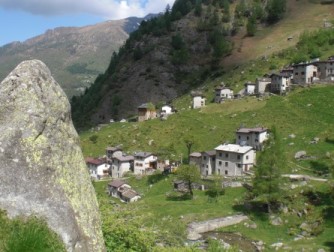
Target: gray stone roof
{"points": [[210, 153], [129, 194], [116, 183], [143, 154], [251, 130], [125, 158]]}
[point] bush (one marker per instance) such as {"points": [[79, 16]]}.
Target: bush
{"points": [[93, 138]]}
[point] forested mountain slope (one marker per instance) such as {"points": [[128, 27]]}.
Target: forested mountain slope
{"points": [[176, 52]]}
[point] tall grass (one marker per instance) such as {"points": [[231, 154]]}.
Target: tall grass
{"points": [[27, 235]]}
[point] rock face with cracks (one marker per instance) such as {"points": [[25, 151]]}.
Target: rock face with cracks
{"points": [[42, 169]]}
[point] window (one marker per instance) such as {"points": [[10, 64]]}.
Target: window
{"points": [[239, 137], [220, 154], [226, 172], [226, 164], [213, 159], [220, 163], [238, 157], [207, 166], [226, 155], [248, 138], [204, 158], [247, 157], [303, 73], [239, 165], [296, 73]]}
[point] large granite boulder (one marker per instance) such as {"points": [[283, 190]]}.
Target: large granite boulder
{"points": [[42, 170]]}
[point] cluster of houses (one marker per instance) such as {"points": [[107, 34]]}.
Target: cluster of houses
{"points": [[147, 111], [276, 82], [226, 160], [117, 164], [299, 74], [232, 159]]}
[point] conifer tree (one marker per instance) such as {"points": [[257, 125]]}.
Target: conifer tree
{"points": [[268, 172]]}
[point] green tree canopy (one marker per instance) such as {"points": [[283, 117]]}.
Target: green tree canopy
{"points": [[189, 174], [276, 10]]}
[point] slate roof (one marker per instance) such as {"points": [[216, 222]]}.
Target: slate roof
{"points": [[195, 154], [129, 194], [210, 153], [94, 161], [124, 158], [116, 183], [113, 149], [251, 130], [143, 154]]}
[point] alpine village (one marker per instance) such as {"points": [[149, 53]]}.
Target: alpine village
{"points": [[210, 128]]}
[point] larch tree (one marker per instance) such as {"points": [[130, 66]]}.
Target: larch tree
{"points": [[267, 180]]}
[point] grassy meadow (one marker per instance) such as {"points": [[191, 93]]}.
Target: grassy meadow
{"points": [[164, 220]]}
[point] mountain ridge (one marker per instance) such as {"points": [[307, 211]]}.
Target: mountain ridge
{"points": [[75, 55]]}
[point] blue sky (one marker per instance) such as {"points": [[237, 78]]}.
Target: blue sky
{"points": [[23, 19]]}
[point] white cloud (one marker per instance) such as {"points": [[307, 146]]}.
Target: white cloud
{"points": [[109, 9]]}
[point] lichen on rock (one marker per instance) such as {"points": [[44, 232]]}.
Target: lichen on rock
{"points": [[42, 170]]}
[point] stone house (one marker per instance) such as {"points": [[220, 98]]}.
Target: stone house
{"points": [[305, 73], [162, 164], [195, 158], [280, 82], [121, 165], [325, 69], [113, 151], [97, 167], [208, 163], [146, 112], [233, 159], [262, 85], [116, 187], [123, 191], [198, 100], [223, 93], [129, 196], [253, 137], [144, 161], [249, 88]]}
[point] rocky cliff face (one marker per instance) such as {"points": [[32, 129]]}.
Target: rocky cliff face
{"points": [[42, 169]]}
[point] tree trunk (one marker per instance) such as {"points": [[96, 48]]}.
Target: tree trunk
{"points": [[190, 189]]}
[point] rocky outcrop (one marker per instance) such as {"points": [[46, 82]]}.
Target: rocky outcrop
{"points": [[195, 229], [42, 169]]}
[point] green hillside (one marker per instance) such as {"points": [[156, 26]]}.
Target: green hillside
{"points": [[306, 113], [192, 43]]}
